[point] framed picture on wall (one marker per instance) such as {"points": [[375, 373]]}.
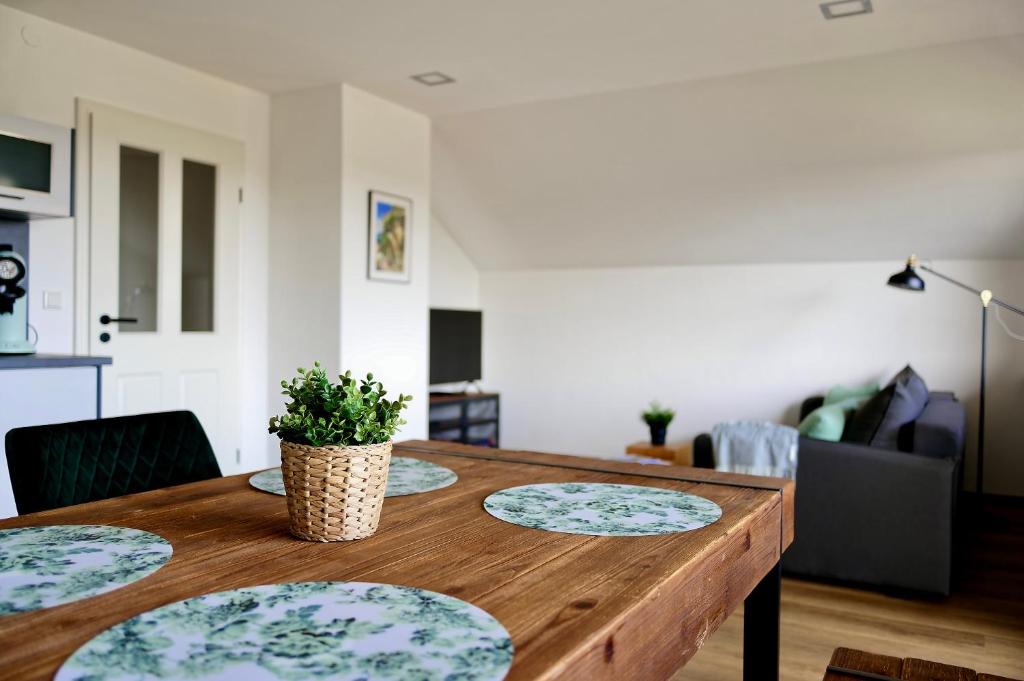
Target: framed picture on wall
{"points": [[390, 237]]}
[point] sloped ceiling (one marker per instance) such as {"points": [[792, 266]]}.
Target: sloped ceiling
{"points": [[858, 159]]}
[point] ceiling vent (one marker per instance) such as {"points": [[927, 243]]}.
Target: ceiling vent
{"points": [[840, 9], [433, 78]]}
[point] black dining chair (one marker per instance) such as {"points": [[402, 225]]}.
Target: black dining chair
{"points": [[62, 464]]}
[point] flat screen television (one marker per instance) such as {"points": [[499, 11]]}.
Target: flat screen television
{"points": [[455, 343]]}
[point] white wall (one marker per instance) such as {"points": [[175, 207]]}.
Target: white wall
{"points": [[42, 80], [454, 279], [305, 238], [383, 324], [332, 145], [577, 354], [51, 266]]}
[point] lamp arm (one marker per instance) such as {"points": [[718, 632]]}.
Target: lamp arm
{"points": [[977, 292]]}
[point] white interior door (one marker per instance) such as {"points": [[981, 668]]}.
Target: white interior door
{"points": [[163, 259]]}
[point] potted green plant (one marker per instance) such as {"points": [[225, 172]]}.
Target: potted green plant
{"points": [[657, 419], [335, 451]]}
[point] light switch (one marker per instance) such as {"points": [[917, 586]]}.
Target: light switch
{"points": [[52, 300]]}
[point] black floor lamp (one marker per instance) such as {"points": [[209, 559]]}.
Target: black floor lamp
{"points": [[910, 281]]}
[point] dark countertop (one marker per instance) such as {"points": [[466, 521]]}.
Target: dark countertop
{"points": [[44, 361]]}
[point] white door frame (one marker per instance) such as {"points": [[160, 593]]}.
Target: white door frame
{"points": [[83, 314], [82, 224]]}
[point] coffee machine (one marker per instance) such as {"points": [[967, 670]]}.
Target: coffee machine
{"points": [[13, 304]]}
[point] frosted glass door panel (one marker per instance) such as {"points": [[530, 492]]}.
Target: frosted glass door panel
{"points": [[198, 222], [139, 230]]}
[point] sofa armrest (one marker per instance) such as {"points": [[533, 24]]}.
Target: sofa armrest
{"points": [[874, 516], [703, 451]]}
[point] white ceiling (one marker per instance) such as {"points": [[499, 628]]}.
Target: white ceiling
{"points": [[510, 51], [591, 133]]}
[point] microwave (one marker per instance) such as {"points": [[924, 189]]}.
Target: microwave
{"points": [[35, 169]]}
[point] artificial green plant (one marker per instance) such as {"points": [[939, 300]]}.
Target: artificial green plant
{"points": [[657, 415], [347, 413]]}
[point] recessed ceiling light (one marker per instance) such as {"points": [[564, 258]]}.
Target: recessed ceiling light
{"points": [[846, 8], [433, 78]]}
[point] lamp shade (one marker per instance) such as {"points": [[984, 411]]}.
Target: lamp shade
{"points": [[907, 279]]}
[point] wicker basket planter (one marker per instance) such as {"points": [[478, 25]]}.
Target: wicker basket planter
{"points": [[334, 493]]}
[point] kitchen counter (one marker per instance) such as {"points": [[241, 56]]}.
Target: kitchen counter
{"points": [[44, 361]]}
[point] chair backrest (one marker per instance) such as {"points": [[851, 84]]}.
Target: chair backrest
{"points": [[71, 463]]}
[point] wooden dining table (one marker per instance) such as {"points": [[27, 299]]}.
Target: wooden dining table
{"points": [[576, 606]]}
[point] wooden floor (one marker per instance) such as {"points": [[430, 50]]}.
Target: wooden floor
{"points": [[980, 626]]}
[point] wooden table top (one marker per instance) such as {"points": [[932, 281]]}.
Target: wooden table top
{"points": [[575, 606]]}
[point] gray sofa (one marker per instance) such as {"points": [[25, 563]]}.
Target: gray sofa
{"points": [[875, 516]]}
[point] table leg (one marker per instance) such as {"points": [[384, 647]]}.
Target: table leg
{"points": [[99, 391], [761, 628]]}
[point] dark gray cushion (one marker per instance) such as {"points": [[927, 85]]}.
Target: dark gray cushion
{"points": [[862, 426], [910, 395], [914, 384], [879, 422]]}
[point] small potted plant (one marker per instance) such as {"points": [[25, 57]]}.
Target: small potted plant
{"points": [[657, 419], [335, 453]]}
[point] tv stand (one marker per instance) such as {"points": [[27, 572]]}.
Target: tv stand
{"points": [[469, 418]]}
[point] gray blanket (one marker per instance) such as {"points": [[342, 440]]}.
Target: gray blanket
{"points": [[755, 448]]}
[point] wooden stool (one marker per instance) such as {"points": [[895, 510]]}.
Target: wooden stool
{"points": [[856, 665], [680, 453]]}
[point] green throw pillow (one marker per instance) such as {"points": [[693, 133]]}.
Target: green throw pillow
{"points": [[828, 421], [841, 393], [824, 423]]}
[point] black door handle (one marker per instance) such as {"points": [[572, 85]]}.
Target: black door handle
{"points": [[107, 319]]}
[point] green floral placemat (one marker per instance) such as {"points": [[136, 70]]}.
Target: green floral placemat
{"points": [[406, 476], [53, 564], [602, 509], [303, 630]]}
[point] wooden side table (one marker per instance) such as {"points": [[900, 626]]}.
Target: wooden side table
{"points": [[855, 665], [679, 453]]}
